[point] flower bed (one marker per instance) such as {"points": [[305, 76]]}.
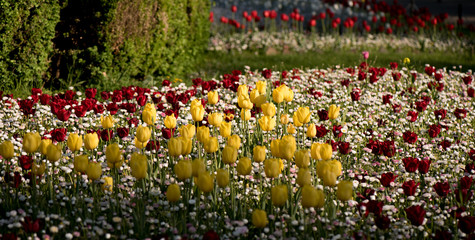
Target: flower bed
{"points": [[321, 153]]}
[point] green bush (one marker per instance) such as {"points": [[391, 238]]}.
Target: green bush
{"points": [[108, 41], [26, 30]]}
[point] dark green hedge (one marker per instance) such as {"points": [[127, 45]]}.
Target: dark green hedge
{"points": [[90, 42], [26, 30]]}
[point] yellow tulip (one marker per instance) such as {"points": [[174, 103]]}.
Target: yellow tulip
{"points": [[259, 218], [44, 146], [138, 166], [326, 151], [304, 177], [108, 184], [245, 114], [234, 141], [275, 148], [287, 147], [94, 170], [114, 155], [7, 150], [197, 167], [80, 163], [205, 182], [138, 144], [253, 96], [197, 113], [312, 197], [183, 169], [188, 131], [329, 179], [213, 97], [143, 134], [215, 119], [173, 193], [284, 119], [175, 147], [261, 99], [195, 103], [225, 129], [229, 154], [311, 130], [170, 121], [303, 114], [267, 123], [244, 166], [277, 95], [324, 166], [268, 109], [203, 134], [291, 129], [289, 96], [333, 112], [297, 122], [186, 145], [211, 145], [91, 140], [107, 122], [344, 191], [279, 194], [259, 153], [302, 158], [149, 114], [272, 167], [406, 61], [53, 153], [222, 177], [261, 87], [315, 151], [38, 170], [31, 142], [244, 102], [243, 90], [74, 142]]}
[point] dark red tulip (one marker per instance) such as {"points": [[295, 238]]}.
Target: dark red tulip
{"points": [[410, 187], [442, 188], [415, 215], [387, 178]]}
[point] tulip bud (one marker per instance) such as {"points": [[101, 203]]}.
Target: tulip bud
{"points": [[284, 119], [149, 114], [268, 109], [291, 129], [213, 97], [267, 123], [74, 142], [244, 166], [215, 119], [311, 130], [80, 163], [303, 114], [275, 148], [38, 169], [197, 167], [272, 167], [173, 193], [6, 150], [188, 131], [312, 197], [303, 177], [229, 154], [203, 134], [108, 184], [234, 141], [197, 113], [259, 218], [287, 147], [170, 121], [138, 166], [225, 129], [333, 111], [44, 146], [326, 151], [302, 158], [107, 122], [259, 154], [261, 87], [91, 140], [344, 191], [31, 142], [245, 114], [211, 145], [183, 169], [205, 182], [94, 170], [53, 153], [315, 151], [296, 119], [222, 177], [143, 134], [186, 145], [175, 147], [114, 155], [279, 194]]}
